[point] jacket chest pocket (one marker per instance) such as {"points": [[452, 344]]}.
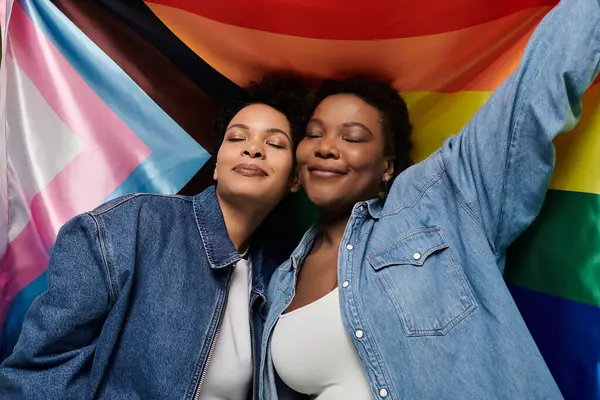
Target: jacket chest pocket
{"points": [[426, 286]]}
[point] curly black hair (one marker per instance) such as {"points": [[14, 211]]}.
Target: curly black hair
{"points": [[285, 94], [392, 108]]}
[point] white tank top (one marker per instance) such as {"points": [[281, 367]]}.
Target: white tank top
{"points": [[313, 355]]}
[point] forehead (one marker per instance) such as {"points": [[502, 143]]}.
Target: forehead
{"points": [[261, 117], [342, 108]]}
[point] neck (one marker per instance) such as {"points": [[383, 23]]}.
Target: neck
{"points": [[333, 227], [241, 221]]}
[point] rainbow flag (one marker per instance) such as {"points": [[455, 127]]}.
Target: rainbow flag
{"points": [[107, 97]]}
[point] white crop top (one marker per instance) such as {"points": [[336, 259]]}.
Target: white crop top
{"points": [[313, 355]]}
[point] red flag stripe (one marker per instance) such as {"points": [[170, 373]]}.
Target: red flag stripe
{"points": [[354, 19]]}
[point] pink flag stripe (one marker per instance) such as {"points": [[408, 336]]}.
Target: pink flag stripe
{"points": [[87, 116], [29, 256], [26, 257], [82, 110]]}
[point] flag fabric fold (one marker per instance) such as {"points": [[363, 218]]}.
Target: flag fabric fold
{"points": [[99, 99]]}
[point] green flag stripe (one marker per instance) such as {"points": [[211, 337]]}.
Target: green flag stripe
{"points": [[560, 253]]}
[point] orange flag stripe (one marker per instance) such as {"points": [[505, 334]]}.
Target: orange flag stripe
{"points": [[475, 58]]}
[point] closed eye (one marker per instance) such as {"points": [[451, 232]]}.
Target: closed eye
{"points": [[310, 134], [352, 140]]}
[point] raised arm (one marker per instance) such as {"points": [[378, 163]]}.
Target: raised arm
{"points": [[502, 161]]}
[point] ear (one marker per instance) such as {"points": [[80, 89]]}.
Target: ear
{"points": [[215, 173], [389, 170], [295, 187]]}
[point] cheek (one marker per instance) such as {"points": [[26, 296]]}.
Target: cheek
{"points": [[282, 163], [362, 159], [220, 154], [227, 155], [225, 162], [302, 152]]}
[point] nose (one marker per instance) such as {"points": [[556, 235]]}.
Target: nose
{"points": [[254, 150], [327, 148]]}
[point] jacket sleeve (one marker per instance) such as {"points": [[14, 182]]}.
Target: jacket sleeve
{"points": [[500, 164], [53, 356]]}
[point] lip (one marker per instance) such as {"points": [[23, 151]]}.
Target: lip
{"points": [[325, 172], [249, 170]]}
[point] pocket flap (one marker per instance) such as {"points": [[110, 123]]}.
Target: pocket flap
{"points": [[410, 248]]}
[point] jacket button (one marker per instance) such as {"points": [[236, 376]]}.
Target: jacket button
{"points": [[345, 284], [359, 334], [349, 247], [417, 256], [383, 393]]}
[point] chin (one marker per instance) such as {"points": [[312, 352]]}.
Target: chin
{"points": [[327, 202], [249, 195]]}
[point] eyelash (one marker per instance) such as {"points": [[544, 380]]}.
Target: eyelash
{"points": [[235, 140], [312, 135]]}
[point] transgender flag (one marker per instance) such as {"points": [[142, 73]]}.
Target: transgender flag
{"points": [[76, 130], [105, 97]]}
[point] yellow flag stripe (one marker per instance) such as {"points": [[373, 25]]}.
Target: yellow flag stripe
{"points": [[437, 116]]}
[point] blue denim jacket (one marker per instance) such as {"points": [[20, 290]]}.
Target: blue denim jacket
{"points": [[136, 291], [421, 288]]}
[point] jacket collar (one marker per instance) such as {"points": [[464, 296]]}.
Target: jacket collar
{"points": [[220, 250]]}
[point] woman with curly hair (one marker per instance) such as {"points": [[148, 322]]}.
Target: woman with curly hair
{"points": [[397, 292], [159, 297]]}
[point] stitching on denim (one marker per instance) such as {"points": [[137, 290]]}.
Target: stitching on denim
{"points": [[461, 282], [446, 328], [422, 192], [109, 206], [461, 277], [409, 261], [403, 237], [396, 303], [377, 358], [358, 309], [514, 130], [108, 265], [207, 244]]}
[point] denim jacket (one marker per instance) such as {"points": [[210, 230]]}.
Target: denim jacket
{"points": [[136, 292], [421, 289]]}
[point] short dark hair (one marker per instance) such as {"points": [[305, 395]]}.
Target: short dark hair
{"points": [[285, 94], [394, 113]]}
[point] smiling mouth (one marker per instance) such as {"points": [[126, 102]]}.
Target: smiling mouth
{"points": [[250, 170], [323, 172]]}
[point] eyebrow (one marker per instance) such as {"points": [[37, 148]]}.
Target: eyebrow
{"points": [[275, 130], [270, 130], [241, 126], [346, 124]]}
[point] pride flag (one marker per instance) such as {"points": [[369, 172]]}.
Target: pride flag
{"points": [[102, 98]]}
